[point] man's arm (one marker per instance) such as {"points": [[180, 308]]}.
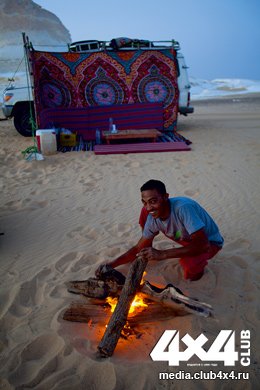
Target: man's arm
{"points": [[128, 256], [199, 244]]}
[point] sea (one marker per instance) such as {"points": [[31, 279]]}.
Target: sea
{"points": [[206, 89]]}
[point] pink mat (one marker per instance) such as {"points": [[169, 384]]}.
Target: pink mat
{"points": [[149, 147]]}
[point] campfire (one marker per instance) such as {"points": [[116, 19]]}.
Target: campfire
{"points": [[126, 299]]}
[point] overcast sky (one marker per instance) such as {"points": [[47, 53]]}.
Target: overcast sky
{"points": [[219, 38]]}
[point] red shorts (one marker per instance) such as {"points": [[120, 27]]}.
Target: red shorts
{"points": [[193, 267]]}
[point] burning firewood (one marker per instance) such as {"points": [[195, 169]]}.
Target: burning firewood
{"points": [[113, 284], [118, 319], [98, 312], [169, 296]]}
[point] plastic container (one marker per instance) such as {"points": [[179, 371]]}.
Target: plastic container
{"points": [[46, 141]]}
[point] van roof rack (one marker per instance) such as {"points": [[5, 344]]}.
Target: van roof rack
{"points": [[121, 44]]}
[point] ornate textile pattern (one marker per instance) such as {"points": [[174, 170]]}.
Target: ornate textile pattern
{"points": [[106, 78]]}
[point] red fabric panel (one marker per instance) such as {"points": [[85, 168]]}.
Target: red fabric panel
{"points": [[86, 120]]}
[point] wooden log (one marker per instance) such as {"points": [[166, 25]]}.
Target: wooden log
{"points": [[94, 288], [97, 313], [118, 319], [87, 312], [171, 296]]}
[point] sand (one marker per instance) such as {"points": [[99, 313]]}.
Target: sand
{"points": [[63, 216]]}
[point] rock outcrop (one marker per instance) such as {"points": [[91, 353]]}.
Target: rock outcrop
{"points": [[43, 28]]}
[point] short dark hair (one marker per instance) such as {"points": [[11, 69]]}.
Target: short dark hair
{"points": [[154, 185]]}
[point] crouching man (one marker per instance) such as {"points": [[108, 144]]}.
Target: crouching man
{"points": [[181, 219]]}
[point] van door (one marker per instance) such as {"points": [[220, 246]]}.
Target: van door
{"points": [[184, 87]]}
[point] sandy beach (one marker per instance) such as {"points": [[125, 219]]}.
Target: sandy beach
{"points": [[63, 216]]}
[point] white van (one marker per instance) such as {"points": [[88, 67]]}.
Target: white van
{"points": [[18, 104]]}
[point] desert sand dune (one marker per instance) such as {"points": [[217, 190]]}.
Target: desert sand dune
{"points": [[63, 216]]}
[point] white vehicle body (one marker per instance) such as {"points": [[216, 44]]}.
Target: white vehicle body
{"points": [[18, 104], [184, 86]]}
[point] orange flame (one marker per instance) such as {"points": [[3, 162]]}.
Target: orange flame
{"points": [[112, 302], [137, 303]]}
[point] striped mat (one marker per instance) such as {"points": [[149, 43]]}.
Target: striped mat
{"points": [[146, 147]]}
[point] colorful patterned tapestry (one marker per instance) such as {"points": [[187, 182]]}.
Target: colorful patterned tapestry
{"points": [[106, 78]]}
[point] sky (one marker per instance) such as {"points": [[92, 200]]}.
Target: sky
{"points": [[219, 38]]}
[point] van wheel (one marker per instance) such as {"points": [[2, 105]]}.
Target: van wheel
{"points": [[23, 120]]}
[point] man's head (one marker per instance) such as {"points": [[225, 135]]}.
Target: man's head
{"points": [[155, 199]]}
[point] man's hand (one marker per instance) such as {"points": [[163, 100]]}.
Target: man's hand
{"points": [[151, 254]]}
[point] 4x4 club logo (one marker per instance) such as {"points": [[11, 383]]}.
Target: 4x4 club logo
{"points": [[222, 348]]}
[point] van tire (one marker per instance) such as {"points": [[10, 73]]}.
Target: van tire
{"points": [[22, 118]]}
